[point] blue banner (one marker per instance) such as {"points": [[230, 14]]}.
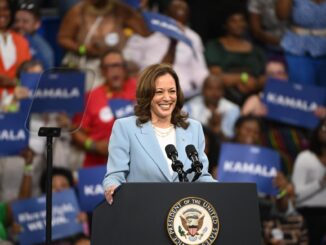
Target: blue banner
{"points": [[121, 107], [133, 3], [13, 134], [166, 25], [90, 187], [293, 103], [247, 163], [56, 91], [31, 215]]}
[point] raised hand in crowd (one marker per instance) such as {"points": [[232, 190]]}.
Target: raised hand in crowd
{"points": [[21, 92], [320, 112], [214, 122], [285, 186]]}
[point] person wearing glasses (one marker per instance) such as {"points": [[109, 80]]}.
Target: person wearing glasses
{"points": [[103, 105]]}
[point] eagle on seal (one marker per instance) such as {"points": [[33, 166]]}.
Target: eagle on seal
{"points": [[192, 221]]}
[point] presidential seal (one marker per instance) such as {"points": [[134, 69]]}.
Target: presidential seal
{"points": [[193, 221]]}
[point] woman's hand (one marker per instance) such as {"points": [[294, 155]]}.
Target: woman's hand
{"points": [[109, 192]]}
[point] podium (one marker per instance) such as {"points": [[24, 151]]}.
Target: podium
{"points": [[142, 213]]}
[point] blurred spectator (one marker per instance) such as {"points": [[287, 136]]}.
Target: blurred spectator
{"points": [[212, 109], [248, 130], [98, 117], [188, 62], [288, 140], [90, 28], [207, 17], [284, 225], [239, 62], [253, 105], [212, 150], [13, 47], [62, 179], [64, 6], [305, 42], [309, 179], [27, 22], [265, 26], [12, 167]]}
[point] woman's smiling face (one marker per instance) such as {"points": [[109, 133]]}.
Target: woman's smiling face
{"points": [[165, 97]]}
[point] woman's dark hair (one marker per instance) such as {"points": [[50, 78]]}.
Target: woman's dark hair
{"points": [[12, 8], [111, 51], [55, 172], [247, 118], [31, 7], [233, 11], [315, 144], [26, 65], [228, 13], [146, 91]]}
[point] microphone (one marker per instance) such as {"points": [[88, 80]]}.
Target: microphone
{"points": [[177, 165], [196, 165]]}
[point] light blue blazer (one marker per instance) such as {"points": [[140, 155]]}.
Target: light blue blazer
{"points": [[135, 154]]}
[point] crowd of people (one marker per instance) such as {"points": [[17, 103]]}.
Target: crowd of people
{"points": [[222, 80]]}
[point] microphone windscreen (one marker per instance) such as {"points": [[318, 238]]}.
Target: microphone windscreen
{"points": [[191, 150], [171, 151]]}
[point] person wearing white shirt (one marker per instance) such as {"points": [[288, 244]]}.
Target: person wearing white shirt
{"points": [[188, 62], [211, 103], [309, 180]]}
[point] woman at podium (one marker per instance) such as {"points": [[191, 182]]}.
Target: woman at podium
{"points": [[137, 146]]}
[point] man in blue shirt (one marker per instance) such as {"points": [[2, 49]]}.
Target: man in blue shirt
{"points": [[27, 21]]}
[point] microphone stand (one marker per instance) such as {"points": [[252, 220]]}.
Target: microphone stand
{"points": [[196, 167], [177, 167], [49, 133]]}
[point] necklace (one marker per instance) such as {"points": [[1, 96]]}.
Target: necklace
{"points": [[163, 132]]}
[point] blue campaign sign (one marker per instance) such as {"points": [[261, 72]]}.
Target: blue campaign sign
{"points": [[90, 187], [31, 215], [30, 80], [166, 25], [13, 134], [133, 3], [56, 91], [293, 103], [121, 107], [248, 163]]}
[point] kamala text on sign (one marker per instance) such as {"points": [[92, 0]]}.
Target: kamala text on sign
{"points": [[90, 187], [56, 91], [293, 103], [247, 163], [13, 135]]}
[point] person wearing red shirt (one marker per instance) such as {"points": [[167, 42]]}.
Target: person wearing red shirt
{"points": [[101, 111]]}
